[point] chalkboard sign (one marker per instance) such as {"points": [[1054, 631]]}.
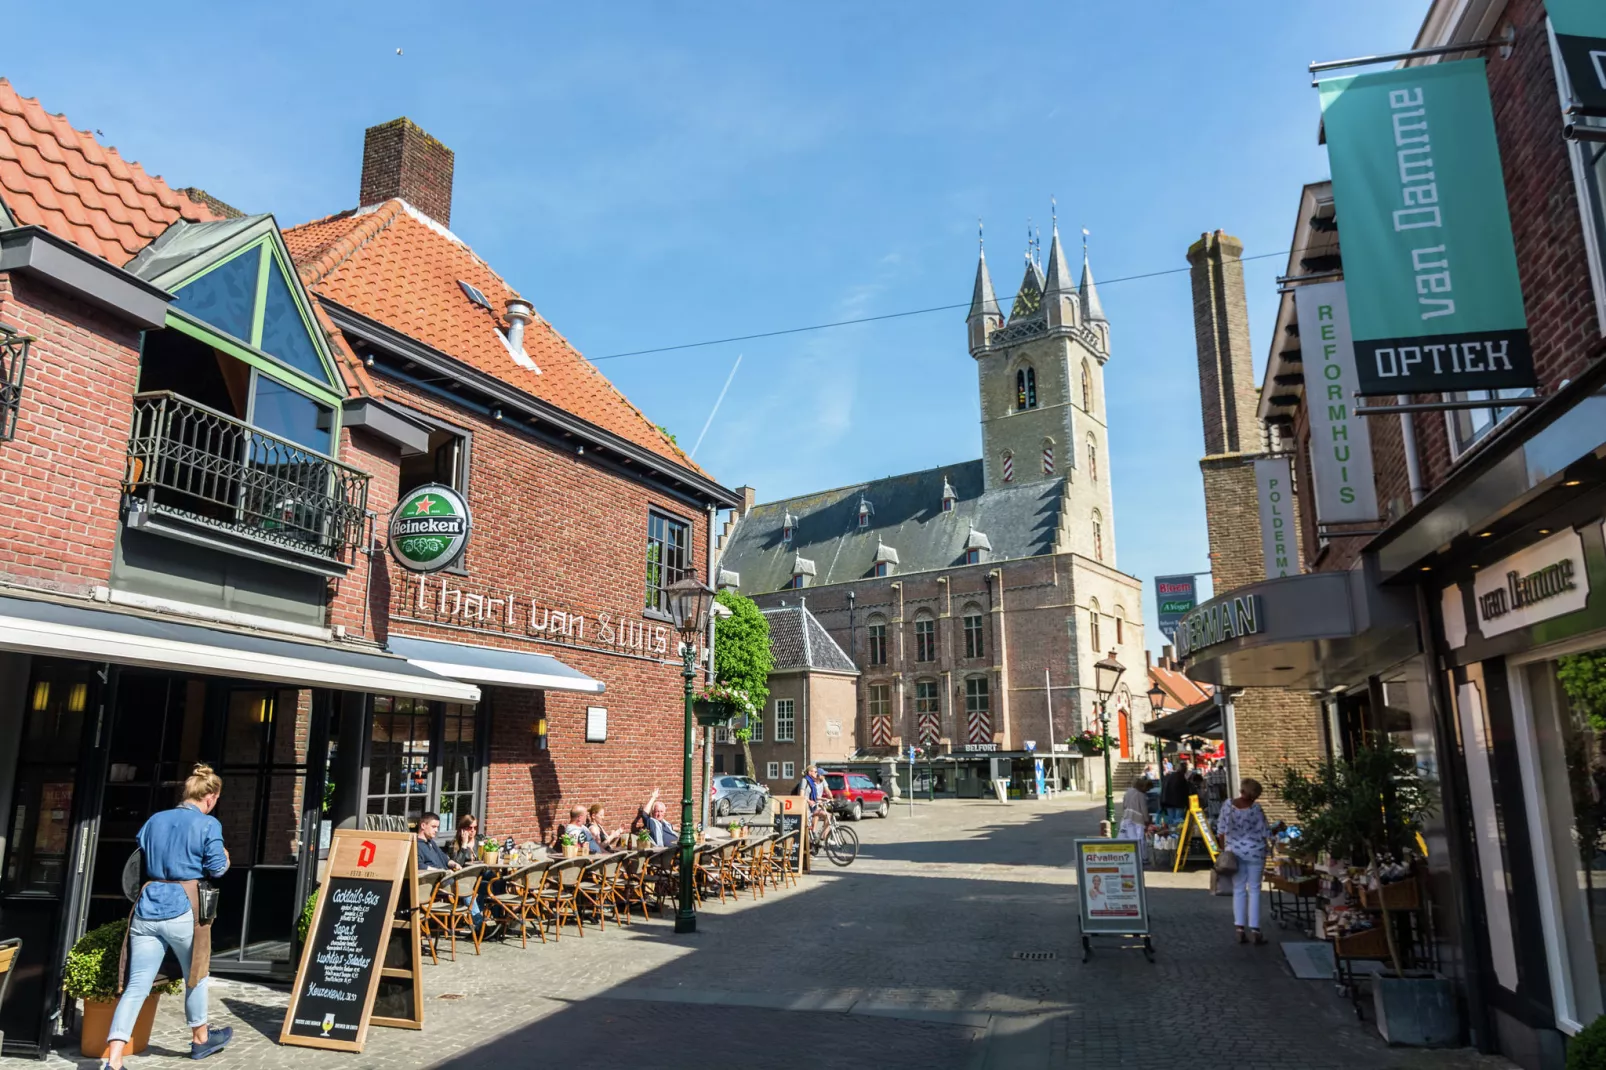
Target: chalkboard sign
{"points": [[790, 813], [357, 946]]}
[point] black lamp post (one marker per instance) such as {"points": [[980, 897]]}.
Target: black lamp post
{"points": [[1106, 674], [689, 599], [1156, 708]]}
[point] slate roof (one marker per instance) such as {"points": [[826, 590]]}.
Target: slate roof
{"points": [[908, 517], [396, 266], [799, 641], [63, 180]]}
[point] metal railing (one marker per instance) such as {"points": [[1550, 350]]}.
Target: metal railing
{"points": [[206, 466], [13, 366]]}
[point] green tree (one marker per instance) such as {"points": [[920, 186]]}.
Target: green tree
{"points": [[742, 658]]}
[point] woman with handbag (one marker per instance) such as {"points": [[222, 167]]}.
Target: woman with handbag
{"points": [[1243, 830], [181, 847]]}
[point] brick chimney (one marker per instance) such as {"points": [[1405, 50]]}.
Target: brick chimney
{"points": [[400, 160]]}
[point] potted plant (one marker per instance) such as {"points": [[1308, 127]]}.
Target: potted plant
{"points": [[643, 840], [1587, 1050], [1371, 806], [1090, 743], [91, 976], [304, 922], [570, 845], [719, 703]]}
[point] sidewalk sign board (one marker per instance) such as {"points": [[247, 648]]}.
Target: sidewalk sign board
{"points": [[790, 811], [359, 953], [1195, 821], [1110, 893]]}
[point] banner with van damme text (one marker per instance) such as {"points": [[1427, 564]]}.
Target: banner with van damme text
{"points": [[1340, 443], [1434, 301]]}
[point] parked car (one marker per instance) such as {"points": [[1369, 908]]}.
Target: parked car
{"points": [[737, 795], [854, 795]]}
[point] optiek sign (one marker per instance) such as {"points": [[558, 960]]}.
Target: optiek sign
{"points": [[429, 528], [1435, 305]]}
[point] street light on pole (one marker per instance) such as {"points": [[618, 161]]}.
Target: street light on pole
{"points": [[1156, 707], [1106, 674], [689, 599]]}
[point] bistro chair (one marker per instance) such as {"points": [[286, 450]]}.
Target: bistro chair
{"points": [[520, 899], [753, 864], [598, 888], [634, 877], [431, 925], [784, 854], [661, 872], [558, 894], [9, 950], [456, 893]]}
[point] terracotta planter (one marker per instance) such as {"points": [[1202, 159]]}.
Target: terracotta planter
{"points": [[96, 1022], [571, 850]]}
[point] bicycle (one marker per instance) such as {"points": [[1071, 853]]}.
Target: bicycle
{"points": [[840, 842]]}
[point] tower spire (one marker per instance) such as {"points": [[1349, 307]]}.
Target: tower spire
{"points": [[983, 302], [1059, 272], [1092, 309]]}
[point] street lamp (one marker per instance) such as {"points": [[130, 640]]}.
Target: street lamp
{"points": [[1156, 707], [1106, 674], [689, 599]]}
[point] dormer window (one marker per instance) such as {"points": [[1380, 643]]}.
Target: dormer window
{"points": [[972, 557], [802, 572], [865, 512], [885, 559], [976, 545], [1026, 388], [788, 529], [949, 497]]}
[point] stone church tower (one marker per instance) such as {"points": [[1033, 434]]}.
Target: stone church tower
{"points": [[1040, 376]]}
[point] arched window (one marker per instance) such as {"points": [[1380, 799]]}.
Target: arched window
{"points": [[876, 640], [1093, 623], [1092, 458], [1120, 625], [1009, 467], [1098, 536], [1087, 389], [1026, 388], [925, 638], [975, 644]]}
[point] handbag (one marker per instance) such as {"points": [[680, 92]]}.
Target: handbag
{"points": [[207, 895], [1226, 862]]}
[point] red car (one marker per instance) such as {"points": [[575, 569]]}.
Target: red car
{"points": [[854, 795]]}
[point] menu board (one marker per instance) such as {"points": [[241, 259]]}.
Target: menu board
{"points": [[1109, 886], [790, 812], [354, 946]]}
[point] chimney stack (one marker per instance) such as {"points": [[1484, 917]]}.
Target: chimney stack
{"points": [[400, 160], [749, 496]]}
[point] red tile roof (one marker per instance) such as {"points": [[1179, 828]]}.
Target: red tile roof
{"points": [[392, 265], [63, 180], [1181, 692]]}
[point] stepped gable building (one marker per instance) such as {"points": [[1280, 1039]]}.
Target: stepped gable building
{"points": [[976, 597]]}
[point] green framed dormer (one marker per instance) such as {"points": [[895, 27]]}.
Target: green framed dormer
{"points": [[238, 408]]}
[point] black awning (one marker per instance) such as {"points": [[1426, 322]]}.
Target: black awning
{"points": [[1200, 719]]}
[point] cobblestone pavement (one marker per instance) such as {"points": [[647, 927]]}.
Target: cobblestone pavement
{"points": [[902, 960]]}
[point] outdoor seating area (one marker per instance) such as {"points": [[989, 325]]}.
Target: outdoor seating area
{"points": [[542, 896]]}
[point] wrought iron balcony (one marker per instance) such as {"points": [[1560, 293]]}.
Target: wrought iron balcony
{"points": [[13, 366], [202, 466]]}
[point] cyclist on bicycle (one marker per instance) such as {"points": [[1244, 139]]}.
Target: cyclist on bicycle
{"points": [[819, 793]]}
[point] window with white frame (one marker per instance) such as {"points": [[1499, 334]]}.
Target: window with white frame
{"points": [[876, 633], [1588, 157], [722, 734], [1470, 426], [788, 770], [785, 719], [973, 638], [880, 700], [772, 771], [756, 723], [925, 639]]}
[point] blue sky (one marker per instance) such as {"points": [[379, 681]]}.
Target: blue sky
{"points": [[651, 174]]}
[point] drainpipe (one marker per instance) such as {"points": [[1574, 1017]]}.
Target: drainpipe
{"points": [[1413, 464], [708, 671]]}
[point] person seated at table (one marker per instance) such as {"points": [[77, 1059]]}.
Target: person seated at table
{"points": [[430, 854], [576, 827], [596, 814], [652, 818], [464, 849]]}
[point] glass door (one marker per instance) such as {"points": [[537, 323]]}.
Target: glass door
{"points": [[424, 756]]}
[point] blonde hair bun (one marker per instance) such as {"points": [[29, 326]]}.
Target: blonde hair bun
{"points": [[201, 783]]}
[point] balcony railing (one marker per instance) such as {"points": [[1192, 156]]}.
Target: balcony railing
{"points": [[13, 366], [207, 467]]}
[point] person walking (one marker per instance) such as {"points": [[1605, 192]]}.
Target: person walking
{"points": [[1135, 815], [1243, 831], [1174, 792], [181, 846]]}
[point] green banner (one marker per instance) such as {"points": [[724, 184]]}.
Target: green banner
{"points": [[1430, 270], [1580, 27]]}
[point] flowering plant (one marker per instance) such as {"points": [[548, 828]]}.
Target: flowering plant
{"points": [[1090, 742], [733, 697]]}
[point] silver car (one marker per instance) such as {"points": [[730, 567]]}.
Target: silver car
{"points": [[738, 795]]}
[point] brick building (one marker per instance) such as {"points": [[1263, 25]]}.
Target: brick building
{"points": [[198, 464], [976, 598], [1461, 621]]}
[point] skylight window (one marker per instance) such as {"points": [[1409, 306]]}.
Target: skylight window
{"points": [[473, 293]]}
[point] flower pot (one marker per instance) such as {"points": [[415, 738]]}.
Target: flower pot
{"points": [[96, 1022], [1417, 1010], [571, 850], [711, 713]]}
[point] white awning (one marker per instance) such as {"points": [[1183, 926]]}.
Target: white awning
{"points": [[55, 628], [493, 665]]}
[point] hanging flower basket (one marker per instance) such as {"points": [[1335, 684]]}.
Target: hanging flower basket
{"points": [[720, 704], [1090, 743]]}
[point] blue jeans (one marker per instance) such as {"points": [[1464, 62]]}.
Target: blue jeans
{"points": [[148, 942]]}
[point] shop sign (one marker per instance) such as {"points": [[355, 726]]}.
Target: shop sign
{"points": [[1340, 442], [444, 601], [1580, 27], [1175, 595], [1434, 299], [1109, 886], [1546, 580], [1274, 481], [979, 748], [1216, 622], [429, 528]]}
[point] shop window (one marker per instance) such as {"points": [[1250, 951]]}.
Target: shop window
{"points": [[423, 756], [788, 770], [785, 720], [876, 640], [925, 639], [459, 761], [772, 770], [39, 844], [1470, 426], [668, 557], [973, 640]]}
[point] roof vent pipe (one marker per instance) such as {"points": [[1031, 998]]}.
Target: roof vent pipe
{"points": [[518, 314]]}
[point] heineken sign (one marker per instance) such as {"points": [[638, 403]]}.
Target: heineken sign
{"points": [[1435, 305], [429, 528]]}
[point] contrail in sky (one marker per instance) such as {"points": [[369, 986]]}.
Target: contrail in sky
{"points": [[709, 422]]}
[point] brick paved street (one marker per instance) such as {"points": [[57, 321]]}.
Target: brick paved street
{"points": [[904, 960]]}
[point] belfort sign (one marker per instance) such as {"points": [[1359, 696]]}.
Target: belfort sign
{"points": [[1217, 621]]}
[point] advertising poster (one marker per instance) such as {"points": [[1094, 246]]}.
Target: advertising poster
{"points": [[1340, 441], [1109, 882], [1274, 482], [1175, 595]]}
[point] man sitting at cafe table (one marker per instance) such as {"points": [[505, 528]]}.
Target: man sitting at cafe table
{"points": [[430, 853], [652, 818], [576, 827]]}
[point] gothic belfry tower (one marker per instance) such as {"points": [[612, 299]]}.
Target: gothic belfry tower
{"points": [[1040, 376]]}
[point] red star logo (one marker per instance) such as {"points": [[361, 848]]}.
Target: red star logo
{"points": [[424, 505]]}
